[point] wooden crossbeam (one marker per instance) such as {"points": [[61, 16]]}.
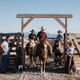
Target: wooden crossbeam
{"points": [[60, 22], [43, 15], [24, 25]]}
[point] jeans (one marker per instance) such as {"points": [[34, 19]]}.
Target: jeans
{"points": [[72, 62], [5, 61]]}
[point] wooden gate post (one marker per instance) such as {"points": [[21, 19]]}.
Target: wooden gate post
{"points": [[65, 43], [23, 53]]}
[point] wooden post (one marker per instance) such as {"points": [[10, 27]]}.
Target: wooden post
{"points": [[23, 54], [22, 25], [65, 43]]}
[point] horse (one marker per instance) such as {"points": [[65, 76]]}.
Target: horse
{"points": [[58, 49], [31, 51], [42, 51]]}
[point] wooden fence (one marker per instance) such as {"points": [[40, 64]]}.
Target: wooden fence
{"points": [[15, 39]]}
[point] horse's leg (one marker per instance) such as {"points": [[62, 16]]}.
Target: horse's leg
{"points": [[44, 64], [41, 66], [55, 59], [31, 61], [34, 61]]}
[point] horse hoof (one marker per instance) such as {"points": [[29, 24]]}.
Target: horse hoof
{"points": [[44, 72], [41, 72]]}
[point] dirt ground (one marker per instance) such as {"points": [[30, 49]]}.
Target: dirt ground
{"points": [[52, 73], [35, 75]]}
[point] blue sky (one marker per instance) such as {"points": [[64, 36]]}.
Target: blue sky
{"points": [[10, 8]]}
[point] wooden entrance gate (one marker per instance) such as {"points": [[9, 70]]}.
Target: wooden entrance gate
{"points": [[55, 16]]}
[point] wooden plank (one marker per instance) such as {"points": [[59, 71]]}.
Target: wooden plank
{"points": [[74, 34], [76, 45], [12, 45], [60, 22], [13, 51], [43, 15], [24, 25], [9, 34], [11, 40]]}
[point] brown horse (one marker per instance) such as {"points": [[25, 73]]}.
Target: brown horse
{"points": [[31, 51], [42, 51], [58, 49]]}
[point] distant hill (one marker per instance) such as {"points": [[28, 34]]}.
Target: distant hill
{"points": [[48, 34]]}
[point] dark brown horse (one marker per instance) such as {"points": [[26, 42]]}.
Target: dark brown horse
{"points": [[42, 52]]}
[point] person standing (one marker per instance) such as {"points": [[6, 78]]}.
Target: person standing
{"points": [[19, 58], [5, 56], [70, 52]]}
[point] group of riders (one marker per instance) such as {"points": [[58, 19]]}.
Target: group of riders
{"points": [[43, 35], [42, 42], [58, 47]]}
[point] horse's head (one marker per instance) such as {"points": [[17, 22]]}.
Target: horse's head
{"points": [[59, 46], [43, 44], [57, 42]]}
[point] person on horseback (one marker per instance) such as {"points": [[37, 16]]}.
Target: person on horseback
{"points": [[41, 36], [60, 39], [32, 36], [58, 48], [59, 36], [31, 48]]}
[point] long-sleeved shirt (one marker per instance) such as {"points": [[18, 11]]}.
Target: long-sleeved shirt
{"points": [[59, 37], [42, 35], [32, 36]]}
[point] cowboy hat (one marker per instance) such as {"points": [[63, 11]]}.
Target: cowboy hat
{"points": [[32, 30], [43, 28], [59, 31], [70, 42]]}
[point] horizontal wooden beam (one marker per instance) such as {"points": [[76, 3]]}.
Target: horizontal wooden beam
{"points": [[9, 34], [43, 15]]}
